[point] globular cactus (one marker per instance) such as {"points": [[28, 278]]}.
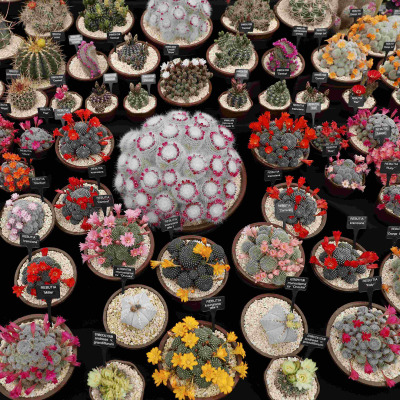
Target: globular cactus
{"points": [[347, 173], [390, 68], [330, 133], [313, 95], [100, 98], [237, 95], [20, 94], [176, 20], [5, 32], [183, 79], [35, 138], [278, 94], [343, 21], [64, 99], [88, 58], [179, 164], [232, 50], [25, 216], [7, 132], [308, 12], [137, 97], [390, 199], [14, 173], [133, 52], [395, 268], [283, 55]]}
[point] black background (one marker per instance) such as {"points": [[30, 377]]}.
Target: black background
{"points": [[84, 309]]}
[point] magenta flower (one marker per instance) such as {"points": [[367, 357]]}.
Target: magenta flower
{"points": [[367, 368], [30, 389], [132, 214], [51, 376], [59, 321], [106, 241], [353, 374], [395, 348], [17, 391], [117, 208]]}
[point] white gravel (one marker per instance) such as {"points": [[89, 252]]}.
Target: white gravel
{"points": [[269, 106], [41, 101], [76, 96], [369, 103], [68, 20], [388, 273], [152, 104], [11, 49], [272, 26], [224, 104], [300, 99], [76, 70], [202, 94]]}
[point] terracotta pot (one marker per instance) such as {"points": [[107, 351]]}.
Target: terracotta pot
{"points": [[105, 116], [385, 215], [385, 295], [34, 112], [34, 34], [271, 73], [275, 112], [228, 113], [139, 116], [141, 346], [2, 89], [243, 274], [249, 342], [355, 146], [338, 190], [394, 103], [99, 54], [77, 107], [384, 79], [350, 109], [39, 155]]}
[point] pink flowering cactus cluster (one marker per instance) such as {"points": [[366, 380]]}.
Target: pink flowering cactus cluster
{"points": [[7, 132], [87, 56], [34, 354], [33, 137], [284, 55], [60, 92]]}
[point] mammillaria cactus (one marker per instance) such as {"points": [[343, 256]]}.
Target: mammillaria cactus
{"points": [[133, 52], [237, 94], [137, 97], [390, 68], [282, 142], [5, 32], [7, 132], [179, 164], [35, 138], [308, 12], [390, 200], [179, 20], [184, 79], [395, 269], [35, 354], [330, 133], [21, 94], [313, 95], [64, 99], [278, 94], [14, 173], [197, 358], [100, 98], [283, 55], [88, 58]]}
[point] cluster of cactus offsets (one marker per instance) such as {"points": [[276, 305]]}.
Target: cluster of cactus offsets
{"points": [[35, 354], [369, 83], [237, 95], [100, 98], [390, 68], [330, 133], [184, 79], [7, 132], [118, 240], [25, 216], [64, 99], [271, 254], [313, 95], [104, 15], [87, 55], [374, 31], [340, 260], [133, 52], [344, 58], [14, 173], [34, 138], [77, 202], [38, 59], [178, 164], [82, 139], [195, 357], [284, 142], [309, 12], [5, 32], [343, 21], [45, 16], [278, 94], [179, 19], [391, 199], [21, 95], [233, 50], [257, 11], [364, 122], [137, 97], [283, 55], [395, 267]]}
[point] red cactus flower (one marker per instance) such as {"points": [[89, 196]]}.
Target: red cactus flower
{"points": [[358, 90]]}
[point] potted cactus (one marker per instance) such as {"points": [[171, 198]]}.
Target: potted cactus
{"points": [[388, 204], [275, 99], [330, 133], [15, 173], [390, 273], [65, 98], [313, 95], [7, 133], [235, 102], [102, 103], [389, 70], [9, 42], [139, 104]]}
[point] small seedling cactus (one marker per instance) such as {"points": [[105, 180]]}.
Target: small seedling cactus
{"points": [[21, 95], [278, 94], [14, 173], [7, 133], [330, 133], [5, 32], [34, 138], [237, 95], [137, 97], [283, 55], [313, 95], [308, 12], [64, 98], [87, 55], [133, 52], [100, 98], [390, 200]]}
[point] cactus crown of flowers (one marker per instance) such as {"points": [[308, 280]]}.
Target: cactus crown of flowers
{"points": [[15, 177], [333, 132]]}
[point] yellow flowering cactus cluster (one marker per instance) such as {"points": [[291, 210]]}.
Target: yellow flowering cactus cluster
{"points": [[343, 58], [193, 265], [390, 68], [195, 358]]}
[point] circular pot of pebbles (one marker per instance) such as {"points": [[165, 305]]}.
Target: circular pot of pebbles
{"points": [[65, 263], [299, 59], [369, 104], [153, 34], [67, 23], [391, 84], [231, 112], [75, 69], [338, 190], [275, 391], [102, 36], [130, 371], [356, 143], [171, 285], [78, 101], [40, 154], [300, 98], [137, 115], [349, 365], [264, 162], [10, 50], [22, 115], [268, 211], [390, 273], [382, 212], [49, 389], [394, 99], [241, 259], [41, 212], [109, 112], [141, 301], [265, 309], [274, 111]]}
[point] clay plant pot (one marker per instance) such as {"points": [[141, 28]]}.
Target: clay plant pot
{"points": [[26, 320], [249, 342], [139, 116], [293, 185], [324, 106], [275, 112], [238, 360], [43, 237], [71, 74], [355, 145], [2, 89], [243, 274], [338, 190], [61, 299], [132, 366], [31, 32], [385, 294], [20, 38], [350, 109], [272, 73], [160, 44], [39, 155], [387, 82], [156, 338], [239, 113], [33, 112], [385, 215], [179, 104], [330, 348], [105, 116], [78, 106]]}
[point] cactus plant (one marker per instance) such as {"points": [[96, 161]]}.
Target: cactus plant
{"points": [[64, 98], [34, 138], [182, 20], [137, 97], [283, 55], [184, 79], [390, 68], [7, 132], [395, 270], [390, 199], [278, 94], [313, 95], [237, 95], [369, 83], [87, 56], [21, 95], [330, 133], [179, 165], [308, 12], [5, 32], [133, 52], [14, 173], [100, 98]]}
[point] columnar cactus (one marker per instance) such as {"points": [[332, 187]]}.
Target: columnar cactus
{"points": [[14, 173], [88, 57], [330, 133], [133, 52], [137, 97], [100, 98], [64, 99], [5, 32], [176, 20], [313, 95], [283, 55], [390, 199], [237, 95], [7, 132], [21, 95], [277, 94], [179, 164], [35, 138], [308, 12]]}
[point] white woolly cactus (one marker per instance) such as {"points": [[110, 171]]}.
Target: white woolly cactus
{"points": [[179, 19], [177, 164]]}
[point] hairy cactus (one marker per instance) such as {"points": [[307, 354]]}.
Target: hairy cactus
{"points": [[38, 59], [283, 55], [237, 95], [137, 97], [309, 12], [390, 68], [104, 15], [5, 32], [87, 56], [390, 195], [178, 164], [64, 99], [278, 94], [14, 173], [330, 133], [184, 79], [347, 173], [7, 132], [233, 50], [100, 98], [133, 52], [20, 94], [257, 11], [36, 353], [179, 19], [35, 138], [313, 95]]}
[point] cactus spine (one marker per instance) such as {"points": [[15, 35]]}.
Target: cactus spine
{"points": [[237, 95]]}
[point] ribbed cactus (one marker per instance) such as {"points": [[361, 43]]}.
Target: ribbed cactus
{"points": [[137, 97], [237, 95], [88, 57], [233, 50], [133, 52], [308, 12], [313, 95], [179, 19], [100, 98], [179, 164], [283, 55], [5, 32], [14, 173], [278, 94], [64, 99], [21, 94]]}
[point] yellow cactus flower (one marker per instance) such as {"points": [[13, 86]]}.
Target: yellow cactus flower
{"points": [[329, 61], [167, 264], [180, 329], [351, 56], [239, 350], [242, 369], [391, 58], [160, 377], [226, 385], [382, 70], [154, 264], [208, 372], [176, 360], [190, 340], [183, 294], [341, 44], [41, 43], [355, 71], [189, 393], [219, 375], [191, 323], [220, 268], [221, 353], [332, 75], [231, 337], [154, 356], [396, 64], [325, 56], [203, 250], [188, 361], [370, 63], [180, 392]]}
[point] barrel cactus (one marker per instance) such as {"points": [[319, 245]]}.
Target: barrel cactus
{"points": [[34, 137], [277, 94], [133, 52], [21, 94], [137, 97], [348, 173], [308, 12], [237, 95], [283, 55]]}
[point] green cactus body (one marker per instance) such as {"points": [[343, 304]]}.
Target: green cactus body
{"points": [[68, 102], [137, 97], [133, 52], [308, 12], [278, 94], [237, 96], [233, 50], [21, 94], [5, 33], [312, 95]]}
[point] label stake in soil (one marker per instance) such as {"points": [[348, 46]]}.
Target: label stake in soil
{"points": [[105, 341], [299, 32], [148, 80], [48, 293], [12, 74], [390, 168], [318, 78], [242, 75], [356, 223], [30, 242], [124, 273], [297, 109], [39, 183], [393, 233], [59, 113], [27, 154], [5, 108], [296, 284], [171, 50], [369, 286], [170, 225], [45, 113], [313, 109], [356, 13], [212, 305], [75, 40], [387, 48], [284, 211], [229, 123], [58, 36], [319, 34], [314, 341], [103, 201], [114, 38], [109, 79], [356, 101], [272, 175], [97, 172]]}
